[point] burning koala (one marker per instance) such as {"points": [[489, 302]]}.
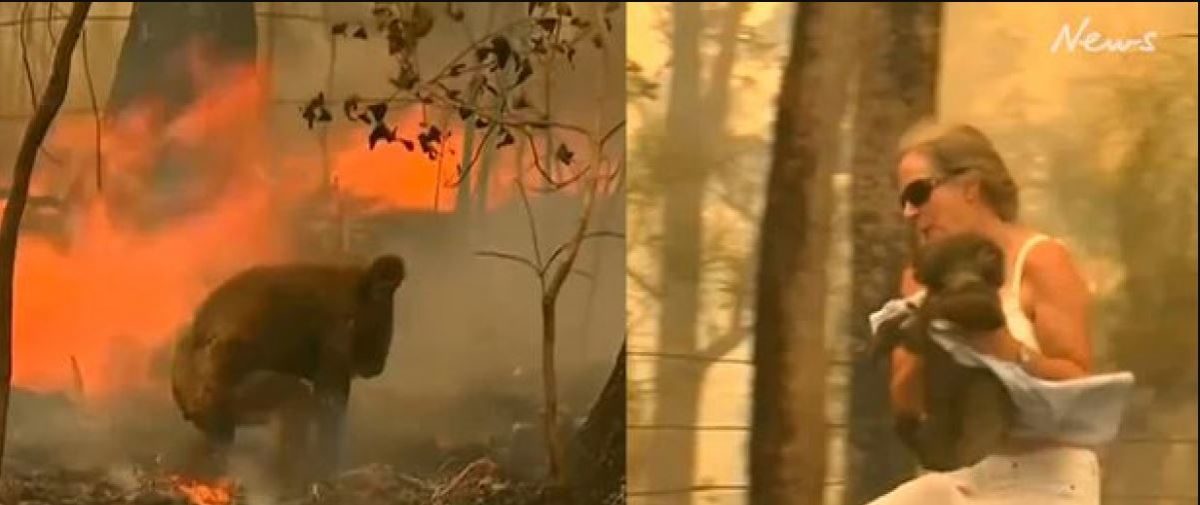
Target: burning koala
{"points": [[285, 341]]}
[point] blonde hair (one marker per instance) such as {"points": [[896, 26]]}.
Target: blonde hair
{"points": [[958, 149]]}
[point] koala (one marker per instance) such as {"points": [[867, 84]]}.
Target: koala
{"points": [[968, 410], [285, 340]]}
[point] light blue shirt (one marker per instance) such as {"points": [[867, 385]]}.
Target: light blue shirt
{"points": [[1083, 411]]}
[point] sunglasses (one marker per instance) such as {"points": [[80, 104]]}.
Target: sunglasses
{"points": [[917, 193]]}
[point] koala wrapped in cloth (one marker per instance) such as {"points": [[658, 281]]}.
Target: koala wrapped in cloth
{"points": [[968, 411], [285, 340]]}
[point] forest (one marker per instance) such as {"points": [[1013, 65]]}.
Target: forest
{"points": [[755, 260], [150, 151]]}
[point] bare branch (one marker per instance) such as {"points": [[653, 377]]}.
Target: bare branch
{"points": [[537, 164], [537, 248], [572, 249], [464, 171], [642, 282], [617, 172], [441, 156], [741, 210], [445, 71], [43, 115], [49, 24], [611, 131], [492, 116], [735, 332], [87, 73], [558, 250], [557, 185], [26, 20], [77, 380], [510, 257], [725, 343]]}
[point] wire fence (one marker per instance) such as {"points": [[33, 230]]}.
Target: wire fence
{"points": [[1142, 493]]}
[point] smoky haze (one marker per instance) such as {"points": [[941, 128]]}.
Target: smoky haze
{"points": [[465, 359], [1103, 147]]}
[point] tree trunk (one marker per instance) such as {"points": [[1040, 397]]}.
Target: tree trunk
{"points": [[677, 383], [898, 47], [48, 107], [155, 63], [597, 459], [685, 173], [788, 438], [149, 63]]}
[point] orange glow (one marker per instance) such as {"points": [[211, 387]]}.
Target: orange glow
{"points": [[391, 177], [116, 294], [199, 493]]}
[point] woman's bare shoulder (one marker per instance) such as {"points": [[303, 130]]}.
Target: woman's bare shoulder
{"points": [[1051, 262]]}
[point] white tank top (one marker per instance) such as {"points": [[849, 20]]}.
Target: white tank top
{"points": [[1019, 324]]}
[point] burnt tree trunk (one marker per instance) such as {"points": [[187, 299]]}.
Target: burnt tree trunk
{"points": [[897, 74], [597, 458], [151, 63], [156, 63], [47, 108], [788, 437]]}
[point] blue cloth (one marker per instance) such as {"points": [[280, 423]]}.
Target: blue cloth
{"points": [[1083, 411]]}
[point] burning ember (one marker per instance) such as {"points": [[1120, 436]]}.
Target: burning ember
{"points": [[199, 493]]}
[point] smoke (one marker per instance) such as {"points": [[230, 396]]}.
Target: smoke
{"points": [[123, 277], [233, 181]]}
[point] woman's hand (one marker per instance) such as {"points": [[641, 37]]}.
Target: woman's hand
{"points": [[999, 343]]}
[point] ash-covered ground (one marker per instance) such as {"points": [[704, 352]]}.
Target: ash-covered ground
{"points": [[60, 453]]}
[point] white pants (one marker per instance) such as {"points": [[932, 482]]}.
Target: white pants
{"points": [[1054, 476]]}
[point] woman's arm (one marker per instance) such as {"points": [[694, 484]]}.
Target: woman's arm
{"points": [[1061, 304], [905, 386]]}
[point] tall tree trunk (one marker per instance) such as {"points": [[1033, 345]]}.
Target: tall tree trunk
{"points": [[676, 392], [788, 440], [685, 171], [10, 225], [720, 81], [154, 64], [149, 62], [898, 47]]}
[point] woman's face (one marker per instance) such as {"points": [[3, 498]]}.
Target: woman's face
{"points": [[935, 205]]}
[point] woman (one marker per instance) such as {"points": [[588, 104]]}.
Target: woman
{"points": [[952, 181]]}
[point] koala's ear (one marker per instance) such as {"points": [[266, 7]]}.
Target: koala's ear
{"points": [[389, 269], [384, 275]]}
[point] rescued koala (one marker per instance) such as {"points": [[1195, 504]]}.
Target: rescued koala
{"points": [[968, 411]]}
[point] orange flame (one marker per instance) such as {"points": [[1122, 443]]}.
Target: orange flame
{"points": [[199, 493], [116, 294], [391, 177]]}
